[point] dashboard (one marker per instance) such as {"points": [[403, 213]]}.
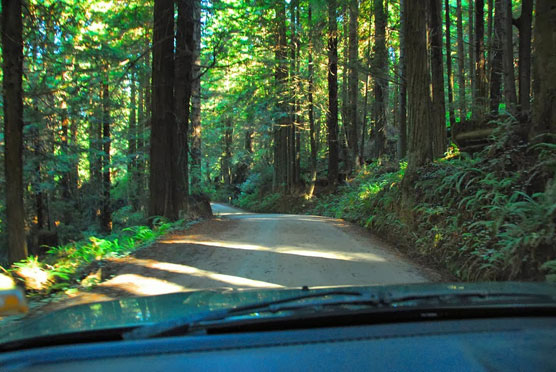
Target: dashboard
{"points": [[493, 344]]}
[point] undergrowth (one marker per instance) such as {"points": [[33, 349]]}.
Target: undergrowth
{"points": [[487, 217], [62, 267]]}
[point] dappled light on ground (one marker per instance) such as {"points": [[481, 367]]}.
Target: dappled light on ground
{"points": [[231, 213], [143, 282], [229, 279], [142, 285], [306, 251]]}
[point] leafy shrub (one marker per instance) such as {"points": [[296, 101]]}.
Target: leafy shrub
{"points": [[59, 269], [483, 218]]}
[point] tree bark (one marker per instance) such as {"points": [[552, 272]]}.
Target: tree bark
{"points": [[438, 115], [365, 106], [544, 69], [353, 86], [65, 180], [145, 145], [106, 212], [74, 171], [94, 157], [419, 103], [343, 134], [403, 81], [496, 59], [508, 58], [471, 40], [195, 171], [525, 31], [380, 78], [332, 114], [281, 129], [480, 62], [185, 47], [164, 198], [132, 145], [299, 123], [490, 20], [141, 153], [293, 129], [449, 66], [312, 136], [12, 53], [227, 157]]}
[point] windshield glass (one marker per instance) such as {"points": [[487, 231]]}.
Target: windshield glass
{"points": [[238, 152]]}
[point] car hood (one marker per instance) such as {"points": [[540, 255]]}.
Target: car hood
{"points": [[137, 311]]}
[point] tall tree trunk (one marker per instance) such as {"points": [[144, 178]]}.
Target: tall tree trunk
{"points": [[508, 59], [490, 8], [312, 135], [185, 48], [419, 102], [381, 78], [106, 212], [164, 198], [144, 142], [195, 170], [332, 114], [525, 55], [94, 158], [281, 129], [12, 53], [471, 60], [64, 149], [132, 146], [403, 81], [496, 59], [449, 73], [480, 62], [544, 69], [353, 85], [74, 171], [37, 179], [299, 123], [343, 129], [365, 106], [292, 129], [227, 157], [438, 115], [461, 64], [141, 153]]}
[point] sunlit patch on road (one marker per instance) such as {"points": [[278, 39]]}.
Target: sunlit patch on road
{"points": [[305, 251], [148, 284], [142, 285]]}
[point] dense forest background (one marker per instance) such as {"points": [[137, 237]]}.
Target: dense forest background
{"points": [[430, 122]]}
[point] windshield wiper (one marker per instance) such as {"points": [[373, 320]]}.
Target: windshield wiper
{"points": [[377, 300], [458, 297], [183, 324]]}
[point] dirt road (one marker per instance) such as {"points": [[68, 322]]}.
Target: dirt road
{"points": [[240, 249]]}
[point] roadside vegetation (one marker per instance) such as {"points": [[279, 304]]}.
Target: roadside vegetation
{"points": [[75, 265], [491, 216]]}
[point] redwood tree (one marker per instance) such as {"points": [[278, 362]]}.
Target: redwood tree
{"points": [[380, 77], [544, 69], [164, 199], [195, 169], [524, 24], [12, 53], [332, 114], [353, 85], [419, 103], [438, 114]]}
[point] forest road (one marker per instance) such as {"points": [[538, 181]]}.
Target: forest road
{"points": [[247, 250]]}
